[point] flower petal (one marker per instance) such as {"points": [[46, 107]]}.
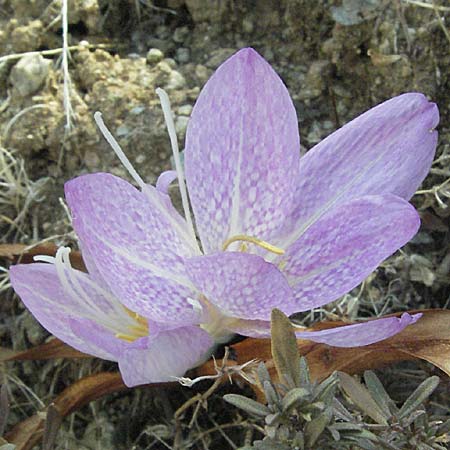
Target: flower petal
{"points": [[387, 150], [135, 243], [162, 358], [360, 334], [40, 288], [242, 152], [345, 245], [241, 285]]}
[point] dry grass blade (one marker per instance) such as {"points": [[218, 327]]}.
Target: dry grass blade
{"points": [[4, 409], [52, 424], [50, 350], [29, 433]]}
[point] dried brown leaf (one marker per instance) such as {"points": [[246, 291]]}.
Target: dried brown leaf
{"points": [[54, 348], [28, 433], [20, 253], [428, 339]]}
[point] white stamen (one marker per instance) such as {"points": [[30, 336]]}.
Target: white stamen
{"points": [[73, 288], [44, 258], [165, 104], [198, 308], [116, 147]]}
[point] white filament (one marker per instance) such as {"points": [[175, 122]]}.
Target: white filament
{"points": [[72, 287], [118, 151], [165, 104], [189, 234]]}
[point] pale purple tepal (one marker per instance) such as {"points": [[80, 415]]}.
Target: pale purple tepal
{"points": [[275, 230]]}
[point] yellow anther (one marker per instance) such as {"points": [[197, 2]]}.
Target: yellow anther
{"points": [[140, 329], [126, 337], [136, 316], [259, 242], [243, 248]]}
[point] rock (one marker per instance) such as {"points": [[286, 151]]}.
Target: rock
{"points": [[181, 124], [22, 36], [219, 56], [212, 11], [185, 110], [202, 73], [171, 62], [29, 74], [180, 34], [183, 55], [154, 56], [165, 45], [176, 81], [164, 67]]}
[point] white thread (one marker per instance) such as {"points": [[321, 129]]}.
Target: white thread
{"points": [[165, 104], [118, 151]]}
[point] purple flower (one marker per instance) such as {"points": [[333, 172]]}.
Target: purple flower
{"points": [[275, 231]]}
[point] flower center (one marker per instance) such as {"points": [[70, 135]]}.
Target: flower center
{"points": [[253, 240], [137, 330]]}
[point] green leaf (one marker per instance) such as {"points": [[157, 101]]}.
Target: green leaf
{"points": [[423, 391], [305, 379], [326, 390], [315, 428], [294, 397], [379, 394], [263, 373], [247, 404], [284, 348], [272, 396], [361, 397]]}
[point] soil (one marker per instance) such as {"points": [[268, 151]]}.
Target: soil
{"points": [[337, 58]]}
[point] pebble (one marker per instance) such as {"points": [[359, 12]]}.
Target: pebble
{"points": [[154, 56], [180, 34], [181, 124], [202, 73], [164, 67], [183, 55], [185, 110], [29, 74], [176, 80], [219, 56]]}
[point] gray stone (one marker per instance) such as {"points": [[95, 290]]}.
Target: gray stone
{"points": [[180, 34], [185, 110], [183, 55], [154, 56], [181, 124], [176, 80], [29, 74], [219, 56], [202, 73]]}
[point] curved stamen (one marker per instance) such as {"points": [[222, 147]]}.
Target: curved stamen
{"points": [[165, 105], [253, 240], [118, 151]]}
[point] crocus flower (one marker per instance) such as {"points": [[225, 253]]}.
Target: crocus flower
{"points": [[273, 230]]}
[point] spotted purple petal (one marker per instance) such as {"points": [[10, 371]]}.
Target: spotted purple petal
{"points": [[242, 285], [165, 356], [345, 245], [40, 289], [135, 245], [242, 152], [360, 334], [388, 149]]}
